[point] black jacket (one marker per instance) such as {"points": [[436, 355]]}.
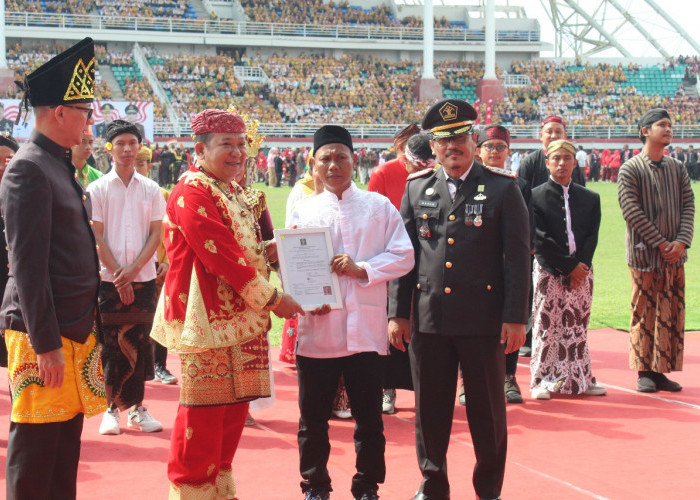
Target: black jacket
{"points": [[534, 170], [54, 269], [468, 280], [551, 236]]}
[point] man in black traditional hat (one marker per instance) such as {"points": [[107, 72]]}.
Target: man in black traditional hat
{"points": [[469, 296], [350, 340], [49, 310], [128, 212], [658, 205]]}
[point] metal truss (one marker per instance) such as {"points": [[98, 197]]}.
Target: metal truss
{"points": [[588, 27]]}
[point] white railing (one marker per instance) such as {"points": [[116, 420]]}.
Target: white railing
{"points": [[162, 24], [516, 80], [158, 90], [251, 74], [382, 131]]}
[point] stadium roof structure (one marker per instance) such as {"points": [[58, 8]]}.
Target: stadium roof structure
{"points": [[588, 31], [590, 27]]}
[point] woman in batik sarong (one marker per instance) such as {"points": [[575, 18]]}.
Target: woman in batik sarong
{"points": [[567, 219]]}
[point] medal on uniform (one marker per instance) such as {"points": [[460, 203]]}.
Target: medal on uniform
{"points": [[424, 231], [429, 191], [481, 196], [468, 211], [477, 210]]}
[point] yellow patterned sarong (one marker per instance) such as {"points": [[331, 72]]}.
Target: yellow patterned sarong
{"points": [[82, 390]]}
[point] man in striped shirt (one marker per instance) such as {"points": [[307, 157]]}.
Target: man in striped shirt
{"points": [[657, 203]]}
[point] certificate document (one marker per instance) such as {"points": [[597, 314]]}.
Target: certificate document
{"points": [[305, 255]]}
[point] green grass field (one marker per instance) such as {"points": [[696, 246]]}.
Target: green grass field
{"points": [[611, 296]]}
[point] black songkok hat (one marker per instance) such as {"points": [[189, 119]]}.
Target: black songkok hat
{"points": [[119, 127], [7, 140], [449, 118], [332, 134], [68, 78], [649, 118]]}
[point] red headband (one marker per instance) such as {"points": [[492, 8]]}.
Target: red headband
{"points": [[217, 121], [553, 119]]}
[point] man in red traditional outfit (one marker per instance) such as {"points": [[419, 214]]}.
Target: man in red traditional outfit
{"points": [[214, 309]]}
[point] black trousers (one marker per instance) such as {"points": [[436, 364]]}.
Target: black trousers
{"points": [[396, 370], [318, 382], [42, 460], [160, 355], [434, 362]]}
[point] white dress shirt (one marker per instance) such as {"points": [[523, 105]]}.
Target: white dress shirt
{"points": [[126, 213], [367, 227], [569, 231]]}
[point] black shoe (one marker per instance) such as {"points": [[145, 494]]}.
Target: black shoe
{"points": [[512, 390], [317, 494], [663, 383], [368, 495], [646, 384]]}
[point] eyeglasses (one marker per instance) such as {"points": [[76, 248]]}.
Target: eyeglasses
{"points": [[88, 110], [456, 139], [495, 147]]}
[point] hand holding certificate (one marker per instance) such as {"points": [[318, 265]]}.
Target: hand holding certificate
{"points": [[305, 267]]}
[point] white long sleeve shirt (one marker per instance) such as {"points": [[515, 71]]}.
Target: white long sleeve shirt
{"points": [[367, 227]]}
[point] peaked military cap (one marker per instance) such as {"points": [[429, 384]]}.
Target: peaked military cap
{"points": [[449, 117]]}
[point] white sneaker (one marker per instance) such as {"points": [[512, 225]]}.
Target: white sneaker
{"points": [[389, 401], [342, 413], [110, 423], [141, 420], [595, 390], [539, 392]]}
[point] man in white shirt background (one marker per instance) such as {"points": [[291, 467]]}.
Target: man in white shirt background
{"points": [[128, 211], [371, 247], [581, 159]]}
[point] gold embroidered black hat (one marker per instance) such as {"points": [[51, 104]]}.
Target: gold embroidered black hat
{"points": [[448, 118], [65, 79]]}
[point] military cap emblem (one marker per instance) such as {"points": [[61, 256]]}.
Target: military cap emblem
{"points": [[448, 112]]}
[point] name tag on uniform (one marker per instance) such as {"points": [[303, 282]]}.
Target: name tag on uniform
{"points": [[427, 203]]}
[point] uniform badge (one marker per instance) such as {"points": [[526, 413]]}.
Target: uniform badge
{"points": [[424, 232], [469, 214], [430, 192], [481, 196], [427, 204], [478, 208]]}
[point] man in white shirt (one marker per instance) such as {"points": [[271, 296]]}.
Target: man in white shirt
{"points": [[128, 210], [371, 247], [581, 159]]}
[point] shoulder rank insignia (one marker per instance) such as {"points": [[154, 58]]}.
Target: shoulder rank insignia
{"points": [[502, 171], [420, 173]]}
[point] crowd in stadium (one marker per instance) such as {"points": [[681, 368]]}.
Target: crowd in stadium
{"points": [[361, 89]]}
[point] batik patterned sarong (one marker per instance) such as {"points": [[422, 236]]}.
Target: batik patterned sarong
{"points": [[82, 390], [127, 352], [560, 359], [658, 320]]}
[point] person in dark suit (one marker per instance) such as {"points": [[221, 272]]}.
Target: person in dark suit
{"points": [[107, 110], [468, 292], [533, 168], [49, 310], [563, 279], [132, 115]]}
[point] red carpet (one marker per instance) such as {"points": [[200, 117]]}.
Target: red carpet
{"points": [[624, 445]]}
